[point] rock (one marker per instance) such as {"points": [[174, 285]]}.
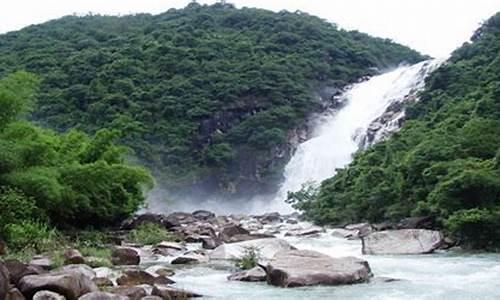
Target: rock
{"points": [[180, 218], [3, 247], [48, 295], [209, 242], [152, 298], [252, 275], [344, 233], [170, 245], [304, 268], [230, 231], [44, 263], [18, 270], [417, 223], [403, 241], [267, 248], [136, 277], [125, 256], [160, 270], [362, 228], [72, 285], [192, 257], [292, 221], [102, 281], [83, 269], [313, 231], [270, 218], [203, 215], [132, 292], [73, 256], [248, 237], [15, 294], [102, 296], [4, 281], [138, 220], [383, 226], [382, 279], [173, 293]]}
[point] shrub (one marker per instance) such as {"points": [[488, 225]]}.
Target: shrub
{"points": [[32, 235], [149, 233], [14, 207], [249, 259]]}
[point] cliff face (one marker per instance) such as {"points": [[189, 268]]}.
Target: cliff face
{"points": [[210, 97]]}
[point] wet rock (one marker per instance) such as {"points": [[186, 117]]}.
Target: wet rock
{"points": [[203, 215], [73, 256], [132, 292], [125, 256], [4, 281], [267, 248], [253, 275], [83, 269], [208, 242], [18, 270], [192, 257], [171, 245], [136, 277], [72, 285], [102, 296], [230, 231], [403, 241], [48, 295], [362, 228], [160, 270], [304, 268], [417, 223], [102, 281], [173, 293]]}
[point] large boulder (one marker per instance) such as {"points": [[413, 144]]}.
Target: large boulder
{"points": [[362, 229], [305, 267], [180, 218], [71, 285], [102, 296], [125, 256], [73, 256], [267, 248], [4, 281], [80, 268], [403, 241], [143, 219], [47, 295], [136, 277], [131, 292], [203, 215], [18, 270], [191, 257], [231, 230], [253, 275], [173, 293]]}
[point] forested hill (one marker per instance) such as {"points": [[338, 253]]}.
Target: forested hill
{"points": [[445, 161], [200, 92]]}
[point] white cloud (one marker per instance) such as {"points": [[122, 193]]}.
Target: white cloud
{"points": [[434, 27]]}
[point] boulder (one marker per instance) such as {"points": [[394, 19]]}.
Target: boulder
{"points": [[253, 275], [208, 242], [44, 263], [312, 231], [160, 270], [132, 292], [3, 247], [403, 241], [138, 220], [362, 228], [267, 248], [83, 269], [192, 257], [203, 215], [18, 270], [417, 223], [102, 296], [72, 284], [344, 233], [73, 256], [305, 267], [15, 294], [125, 256], [173, 293], [136, 277], [102, 281], [171, 245], [270, 218], [152, 298], [180, 218], [4, 281], [231, 230], [383, 226], [48, 295], [248, 237]]}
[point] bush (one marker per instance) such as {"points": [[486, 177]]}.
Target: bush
{"points": [[14, 207], [32, 235], [249, 259], [149, 233]]}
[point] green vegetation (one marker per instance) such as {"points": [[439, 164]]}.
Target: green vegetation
{"points": [[65, 180], [150, 234], [249, 259], [192, 90], [444, 162]]}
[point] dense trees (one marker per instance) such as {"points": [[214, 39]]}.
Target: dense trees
{"points": [[68, 180], [191, 89], [445, 160]]}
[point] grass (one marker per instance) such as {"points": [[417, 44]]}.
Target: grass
{"points": [[149, 233]]}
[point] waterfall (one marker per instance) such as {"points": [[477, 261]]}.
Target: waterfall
{"points": [[367, 116]]}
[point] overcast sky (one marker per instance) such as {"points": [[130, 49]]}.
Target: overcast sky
{"points": [[434, 27]]}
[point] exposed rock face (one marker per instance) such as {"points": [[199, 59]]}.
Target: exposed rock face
{"points": [[72, 284], [403, 241], [304, 268], [102, 296], [125, 256], [267, 248], [253, 275], [4, 281]]}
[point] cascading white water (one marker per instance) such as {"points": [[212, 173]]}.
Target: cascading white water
{"points": [[338, 135]]}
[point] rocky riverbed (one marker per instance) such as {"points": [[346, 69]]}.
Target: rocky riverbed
{"points": [[297, 260]]}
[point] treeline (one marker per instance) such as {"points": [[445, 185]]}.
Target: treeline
{"points": [[191, 89], [444, 162], [68, 180]]}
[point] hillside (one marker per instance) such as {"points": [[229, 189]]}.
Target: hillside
{"points": [[444, 162], [205, 95]]}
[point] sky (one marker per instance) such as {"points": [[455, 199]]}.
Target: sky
{"points": [[433, 27]]}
